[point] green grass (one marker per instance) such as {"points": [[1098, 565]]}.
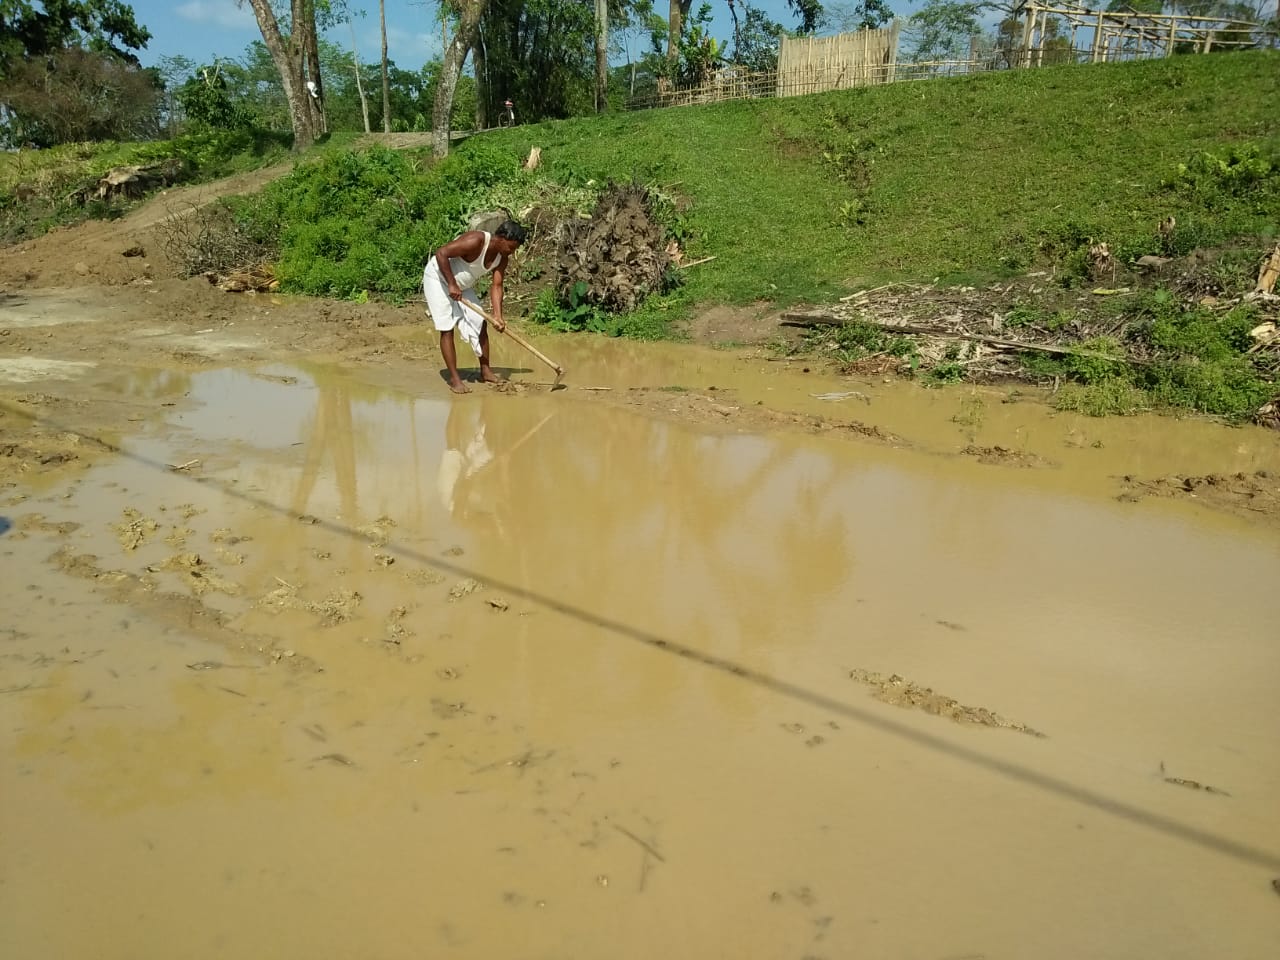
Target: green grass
{"points": [[1193, 359], [970, 177]]}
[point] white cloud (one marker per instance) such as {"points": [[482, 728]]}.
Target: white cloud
{"points": [[221, 13], [407, 48]]}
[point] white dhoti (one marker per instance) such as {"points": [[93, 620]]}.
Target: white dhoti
{"points": [[447, 313]]}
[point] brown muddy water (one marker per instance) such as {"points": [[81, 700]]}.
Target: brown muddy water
{"points": [[533, 676]]}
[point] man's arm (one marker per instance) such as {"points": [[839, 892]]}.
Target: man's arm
{"points": [[495, 295], [465, 247]]}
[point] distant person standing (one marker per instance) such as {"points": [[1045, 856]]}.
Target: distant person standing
{"points": [[508, 114], [449, 276]]}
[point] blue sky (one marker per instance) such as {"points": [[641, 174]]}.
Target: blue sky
{"points": [[201, 29]]}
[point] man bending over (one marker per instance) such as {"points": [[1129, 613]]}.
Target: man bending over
{"points": [[449, 276]]}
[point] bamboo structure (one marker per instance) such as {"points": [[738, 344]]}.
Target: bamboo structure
{"points": [[1052, 33], [1097, 36], [858, 59]]}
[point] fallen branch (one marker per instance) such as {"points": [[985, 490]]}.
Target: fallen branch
{"points": [[812, 320], [694, 263]]}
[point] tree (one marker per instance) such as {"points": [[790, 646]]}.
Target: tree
{"points": [[35, 36], [76, 94], [809, 11], [602, 54], [858, 15], [756, 41], [386, 79], [942, 29], [103, 26], [206, 99], [700, 53], [469, 13], [539, 53], [636, 22], [297, 59], [173, 72], [364, 101]]}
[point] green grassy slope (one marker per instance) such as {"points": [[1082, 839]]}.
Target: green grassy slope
{"points": [[35, 184], [961, 176]]}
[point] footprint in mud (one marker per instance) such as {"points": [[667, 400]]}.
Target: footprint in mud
{"points": [[449, 711], [424, 578], [199, 577], [463, 588], [337, 607], [224, 535], [377, 532], [134, 529], [37, 523], [396, 632]]}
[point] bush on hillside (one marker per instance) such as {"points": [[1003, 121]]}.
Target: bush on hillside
{"points": [[363, 221]]}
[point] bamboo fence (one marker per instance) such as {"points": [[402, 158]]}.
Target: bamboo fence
{"points": [[1051, 34], [815, 64]]}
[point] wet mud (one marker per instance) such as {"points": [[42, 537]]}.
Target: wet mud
{"points": [[1255, 495], [327, 663], [901, 692]]}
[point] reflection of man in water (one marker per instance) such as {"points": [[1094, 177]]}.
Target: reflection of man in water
{"points": [[466, 453], [475, 444]]}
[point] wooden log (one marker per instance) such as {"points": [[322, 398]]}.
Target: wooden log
{"points": [[1269, 273], [815, 319]]}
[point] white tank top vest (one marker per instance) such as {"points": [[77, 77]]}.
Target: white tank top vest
{"points": [[468, 272]]}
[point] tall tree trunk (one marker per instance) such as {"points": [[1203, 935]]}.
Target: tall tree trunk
{"points": [[311, 51], [355, 57], [386, 82], [480, 65], [288, 61], [455, 55], [602, 55], [675, 17]]}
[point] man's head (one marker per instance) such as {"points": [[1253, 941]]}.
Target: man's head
{"points": [[509, 236]]}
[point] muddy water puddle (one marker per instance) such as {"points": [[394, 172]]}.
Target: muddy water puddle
{"points": [[323, 668]]}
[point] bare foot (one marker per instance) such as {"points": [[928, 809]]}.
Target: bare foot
{"points": [[457, 386], [488, 376]]}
